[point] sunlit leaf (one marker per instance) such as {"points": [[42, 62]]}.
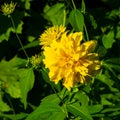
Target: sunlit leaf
{"points": [[7, 28], [9, 76], [32, 44], [51, 98], [47, 111], [83, 7], [95, 108], [55, 13], [78, 110], [14, 116], [26, 83], [76, 19], [3, 106], [82, 98], [108, 39]]}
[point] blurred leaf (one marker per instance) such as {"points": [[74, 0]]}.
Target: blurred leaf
{"points": [[51, 98], [78, 110], [106, 99], [118, 33], [13, 88], [14, 116], [95, 108], [27, 82], [111, 109], [31, 38], [102, 51], [113, 61], [93, 21], [47, 111], [7, 28], [83, 7], [55, 13], [108, 39], [76, 19], [27, 4], [18, 62], [106, 80], [3, 106], [32, 44], [9, 76], [47, 79], [82, 98], [113, 14]]}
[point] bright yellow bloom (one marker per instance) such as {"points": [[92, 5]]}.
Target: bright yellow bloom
{"points": [[70, 60], [7, 9], [51, 34]]}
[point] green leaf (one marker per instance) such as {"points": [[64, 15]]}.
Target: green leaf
{"points": [[18, 62], [55, 13], [76, 19], [106, 80], [113, 61], [102, 51], [13, 88], [47, 111], [3, 106], [47, 79], [20, 116], [95, 108], [118, 33], [82, 98], [32, 44], [93, 22], [9, 77], [53, 98], [78, 110], [7, 28], [83, 6], [108, 39], [27, 82]]}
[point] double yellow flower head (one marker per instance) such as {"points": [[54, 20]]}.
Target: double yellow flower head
{"points": [[67, 58]]}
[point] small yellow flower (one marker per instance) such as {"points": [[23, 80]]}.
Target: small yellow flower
{"points": [[51, 34], [7, 9], [70, 60]]}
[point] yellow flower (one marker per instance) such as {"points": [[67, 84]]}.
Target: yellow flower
{"points": [[70, 60], [51, 34], [7, 9]]}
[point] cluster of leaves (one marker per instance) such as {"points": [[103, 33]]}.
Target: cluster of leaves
{"points": [[25, 89]]}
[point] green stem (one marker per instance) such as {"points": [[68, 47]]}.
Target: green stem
{"points": [[18, 36], [11, 105], [55, 92], [86, 32], [73, 4]]}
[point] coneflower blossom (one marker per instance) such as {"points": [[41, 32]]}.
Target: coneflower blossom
{"points": [[51, 34], [70, 60]]}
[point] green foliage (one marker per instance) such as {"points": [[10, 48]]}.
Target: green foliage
{"points": [[7, 28], [76, 20], [26, 92], [78, 110], [55, 13], [48, 111], [3, 106], [26, 83], [108, 40]]}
